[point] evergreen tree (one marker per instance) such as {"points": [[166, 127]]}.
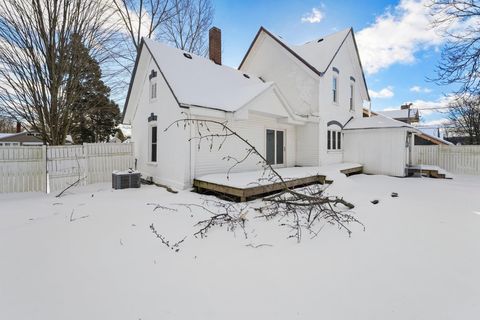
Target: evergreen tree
{"points": [[94, 115]]}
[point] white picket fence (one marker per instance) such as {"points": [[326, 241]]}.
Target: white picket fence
{"points": [[42, 168], [454, 159]]}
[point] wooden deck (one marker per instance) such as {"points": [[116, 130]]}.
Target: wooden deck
{"points": [[246, 193]]}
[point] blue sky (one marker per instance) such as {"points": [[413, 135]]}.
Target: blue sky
{"points": [[397, 47]]}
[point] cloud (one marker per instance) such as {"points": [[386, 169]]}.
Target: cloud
{"points": [[397, 35], [382, 94], [315, 16], [437, 122], [419, 89], [428, 107]]}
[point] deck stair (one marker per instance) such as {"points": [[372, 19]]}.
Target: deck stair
{"points": [[428, 171]]}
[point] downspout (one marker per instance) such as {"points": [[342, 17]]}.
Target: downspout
{"points": [[191, 152], [410, 147]]}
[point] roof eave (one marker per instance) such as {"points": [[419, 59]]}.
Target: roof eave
{"points": [[132, 79]]}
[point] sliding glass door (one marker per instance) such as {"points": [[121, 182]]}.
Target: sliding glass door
{"points": [[275, 141]]}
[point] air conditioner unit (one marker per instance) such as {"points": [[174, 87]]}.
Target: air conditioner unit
{"points": [[125, 179]]}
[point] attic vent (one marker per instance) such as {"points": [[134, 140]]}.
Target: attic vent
{"points": [[246, 76], [187, 55], [320, 40]]}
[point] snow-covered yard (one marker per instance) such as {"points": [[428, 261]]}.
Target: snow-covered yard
{"points": [[419, 257]]}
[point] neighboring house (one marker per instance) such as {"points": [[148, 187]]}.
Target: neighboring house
{"points": [[20, 139], [298, 105], [405, 114]]}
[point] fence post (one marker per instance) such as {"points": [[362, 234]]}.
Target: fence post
{"points": [[44, 169], [87, 169]]}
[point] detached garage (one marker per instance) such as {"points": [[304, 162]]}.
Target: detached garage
{"points": [[381, 144]]}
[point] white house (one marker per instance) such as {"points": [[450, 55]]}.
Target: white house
{"points": [[321, 79], [291, 102]]}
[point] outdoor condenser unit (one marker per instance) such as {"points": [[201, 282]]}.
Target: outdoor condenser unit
{"points": [[125, 179]]}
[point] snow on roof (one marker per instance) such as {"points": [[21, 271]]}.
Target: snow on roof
{"points": [[197, 81], [425, 134], [4, 135], [375, 122], [320, 52], [400, 114]]}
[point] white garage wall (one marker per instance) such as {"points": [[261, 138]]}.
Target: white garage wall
{"points": [[380, 151]]}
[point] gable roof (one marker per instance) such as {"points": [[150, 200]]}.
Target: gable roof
{"points": [[321, 52], [202, 83], [5, 135], [376, 122], [318, 54]]}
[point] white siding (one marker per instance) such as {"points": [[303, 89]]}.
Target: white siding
{"points": [[307, 145], [272, 62], [173, 151], [210, 161], [380, 151], [347, 64]]}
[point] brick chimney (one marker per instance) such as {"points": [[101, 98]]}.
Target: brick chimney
{"points": [[19, 127], [215, 45]]}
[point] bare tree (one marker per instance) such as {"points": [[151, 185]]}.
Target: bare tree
{"points": [[299, 210], [142, 18], [457, 21], [7, 125], [181, 23], [188, 27], [464, 114], [38, 66]]}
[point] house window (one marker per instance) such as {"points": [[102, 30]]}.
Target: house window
{"points": [[153, 90], [335, 89], [275, 146], [153, 144], [334, 140], [352, 106]]}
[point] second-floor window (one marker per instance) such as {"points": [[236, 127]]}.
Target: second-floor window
{"points": [[352, 98], [153, 90], [335, 89]]}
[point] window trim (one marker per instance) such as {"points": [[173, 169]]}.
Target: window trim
{"points": [[352, 96], [275, 145], [334, 140], [335, 96], [153, 84], [151, 125]]}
